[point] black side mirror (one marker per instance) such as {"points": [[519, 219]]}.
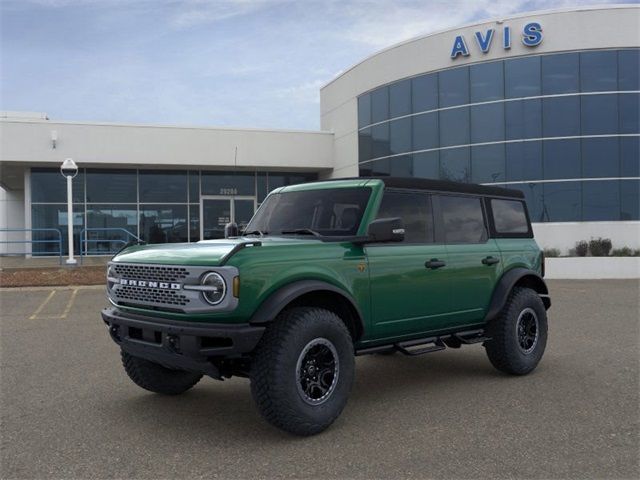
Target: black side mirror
{"points": [[386, 230], [231, 230]]}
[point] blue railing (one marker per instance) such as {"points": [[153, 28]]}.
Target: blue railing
{"points": [[107, 240], [57, 240]]}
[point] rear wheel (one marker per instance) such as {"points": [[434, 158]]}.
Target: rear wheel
{"points": [[156, 378], [303, 369], [518, 334]]}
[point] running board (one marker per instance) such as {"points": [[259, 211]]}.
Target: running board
{"points": [[421, 346]]}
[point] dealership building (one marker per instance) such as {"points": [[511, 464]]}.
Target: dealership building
{"points": [[546, 102]]}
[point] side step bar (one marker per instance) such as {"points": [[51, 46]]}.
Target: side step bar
{"points": [[429, 344]]}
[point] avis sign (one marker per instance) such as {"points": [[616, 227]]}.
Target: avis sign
{"points": [[531, 36]]}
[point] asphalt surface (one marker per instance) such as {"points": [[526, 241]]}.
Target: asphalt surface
{"points": [[69, 410]]}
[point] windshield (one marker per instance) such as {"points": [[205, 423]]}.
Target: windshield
{"points": [[327, 212]]}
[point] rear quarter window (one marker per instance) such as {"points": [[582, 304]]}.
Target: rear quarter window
{"points": [[509, 217]]}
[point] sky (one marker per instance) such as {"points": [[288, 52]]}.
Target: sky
{"points": [[243, 63]]}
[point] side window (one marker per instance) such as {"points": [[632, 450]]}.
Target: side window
{"points": [[509, 216], [462, 219], [415, 211]]}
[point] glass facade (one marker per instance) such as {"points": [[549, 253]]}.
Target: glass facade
{"points": [[158, 206], [563, 128]]}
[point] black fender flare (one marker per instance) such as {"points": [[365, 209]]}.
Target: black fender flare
{"points": [[506, 283], [278, 300]]}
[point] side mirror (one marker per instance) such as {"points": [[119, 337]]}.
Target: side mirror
{"points": [[231, 230], [386, 230]]}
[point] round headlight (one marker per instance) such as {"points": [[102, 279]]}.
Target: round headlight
{"points": [[216, 288]]}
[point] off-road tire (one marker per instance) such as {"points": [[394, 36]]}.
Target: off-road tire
{"points": [[156, 378], [274, 370], [504, 350]]}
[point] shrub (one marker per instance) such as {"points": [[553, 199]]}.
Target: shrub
{"points": [[622, 252], [582, 248], [551, 252], [636, 253], [600, 247]]}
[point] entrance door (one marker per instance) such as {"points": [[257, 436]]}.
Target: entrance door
{"points": [[217, 211]]}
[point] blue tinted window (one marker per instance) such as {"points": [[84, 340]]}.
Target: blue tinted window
{"points": [[424, 90], [561, 116], [630, 156], [522, 77], [380, 105], [599, 114], [194, 186], [561, 159], [487, 163], [159, 186], [401, 166], [365, 145], [629, 112], [600, 157], [426, 165], [380, 140], [164, 223], [400, 99], [53, 216], [629, 70], [560, 73], [562, 202], [523, 119], [600, 201], [454, 87], [524, 161], [400, 135], [487, 123], [380, 168], [112, 186], [454, 164], [364, 110], [598, 71], [48, 185], [533, 197], [629, 200], [425, 131], [454, 127], [487, 82]]}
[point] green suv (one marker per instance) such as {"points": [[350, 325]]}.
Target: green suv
{"points": [[326, 271]]}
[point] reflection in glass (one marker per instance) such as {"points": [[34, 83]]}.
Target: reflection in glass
{"points": [[53, 216], [600, 157], [111, 220], [599, 114], [487, 164], [426, 165], [163, 186], [400, 99], [522, 77], [49, 186], [401, 166], [600, 201], [425, 131], [228, 183], [194, 222], [164, 223], [380, 140], [562, 202], [424, 92], [487, 82], [364, 110], [560, 73], [454, 127], [194, 186], [365, 145], [454, 164], [380, 105], [454, 87], [523, 119], [533, 197], [523, 161], [415, 211], [599, 71], [629, 69], [400, 135], [629, 112], [561, 159], [630, 200], [561, 116], [487, 123], [630, 156], [112, 186]]}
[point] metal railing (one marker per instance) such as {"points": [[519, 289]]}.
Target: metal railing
{"points": [[57, 240], [119, 242]]}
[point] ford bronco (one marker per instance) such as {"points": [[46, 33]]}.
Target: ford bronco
{"points": [[327, 271]]}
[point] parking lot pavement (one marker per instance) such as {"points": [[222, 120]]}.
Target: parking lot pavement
{"points": [[69, 411]]}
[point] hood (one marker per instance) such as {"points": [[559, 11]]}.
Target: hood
{"points": [[205, 253]]}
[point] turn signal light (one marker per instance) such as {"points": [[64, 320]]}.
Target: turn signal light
{"points": [[236, 287]]}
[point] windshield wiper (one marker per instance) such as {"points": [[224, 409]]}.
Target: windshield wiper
{"points": [[254, 232], [302, 231]]}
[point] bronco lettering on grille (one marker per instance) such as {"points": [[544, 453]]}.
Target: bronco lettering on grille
{"points": [[149, 284]]}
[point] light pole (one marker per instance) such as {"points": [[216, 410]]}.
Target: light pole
{"points": [[69, 169]]}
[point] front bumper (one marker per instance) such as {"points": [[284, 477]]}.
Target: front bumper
{"points": [[182, 345]]}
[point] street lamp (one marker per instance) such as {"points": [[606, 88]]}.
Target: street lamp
{"points": [[69, 169]]}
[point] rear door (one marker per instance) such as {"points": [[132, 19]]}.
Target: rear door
{"points": [[474, 262], [407, 297]]}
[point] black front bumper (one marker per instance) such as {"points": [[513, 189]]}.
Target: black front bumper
{"points": [[183, 345]]}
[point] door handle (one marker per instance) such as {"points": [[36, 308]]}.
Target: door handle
{"points": [[434, 263], [490, 260]]}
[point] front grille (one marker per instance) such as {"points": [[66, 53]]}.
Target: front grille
{"points": [[151, 295], [152, 272]]}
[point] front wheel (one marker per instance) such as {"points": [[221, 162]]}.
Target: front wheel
{"points": [[518, 334], [302, 371]]}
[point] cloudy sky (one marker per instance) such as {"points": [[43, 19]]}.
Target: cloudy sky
{"points": [[250, 63]]}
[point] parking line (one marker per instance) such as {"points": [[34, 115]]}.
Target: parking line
{"points": [[70, 303], [42, 305]]}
